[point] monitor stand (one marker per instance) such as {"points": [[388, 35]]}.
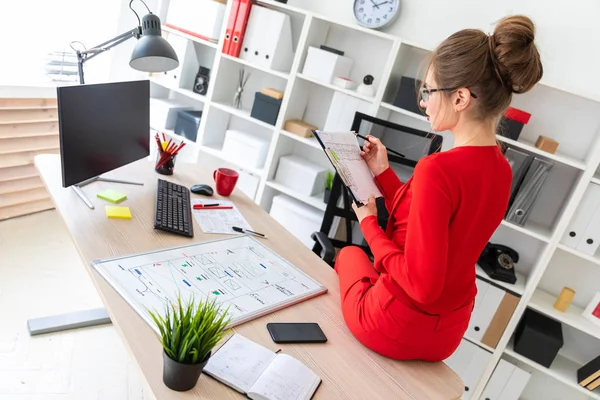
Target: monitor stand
{"points": [[77, 188]]}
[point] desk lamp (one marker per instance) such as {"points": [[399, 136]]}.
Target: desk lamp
{"points": [[152, 53]]}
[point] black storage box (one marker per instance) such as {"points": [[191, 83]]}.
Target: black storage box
{"points": [[407, 95], [187, 124], [509, 128], [265, 108], [538, 338]]}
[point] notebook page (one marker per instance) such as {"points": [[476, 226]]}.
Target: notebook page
{"points": [[286, 378], [353, 170], [239, 363]]}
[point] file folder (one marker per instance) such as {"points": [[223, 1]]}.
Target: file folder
{"points": [[585, 213], [519, 162], [524, 200], [240, 27], [235, 5]]}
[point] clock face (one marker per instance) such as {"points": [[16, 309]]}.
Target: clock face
{"points": [[376, 13]]}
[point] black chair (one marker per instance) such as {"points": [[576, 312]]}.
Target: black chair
{"points": [[414, 143]]}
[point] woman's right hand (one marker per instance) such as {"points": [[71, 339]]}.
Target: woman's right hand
{"points": [[375, 154]]}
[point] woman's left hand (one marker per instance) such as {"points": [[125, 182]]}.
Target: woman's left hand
{"points": [[367, 210]]}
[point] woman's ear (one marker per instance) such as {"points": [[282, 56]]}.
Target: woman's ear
{"points": [[462, 99]]}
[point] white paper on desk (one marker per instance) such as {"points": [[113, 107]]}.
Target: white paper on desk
{"points": [[219, 221], [351, 167]]}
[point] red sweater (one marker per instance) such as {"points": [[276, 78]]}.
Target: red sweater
{"points": [[440, 221]]}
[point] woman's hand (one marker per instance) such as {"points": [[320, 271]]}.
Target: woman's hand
{"points": [[375, 154], [367, 210]]}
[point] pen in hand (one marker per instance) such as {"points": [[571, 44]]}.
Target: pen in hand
{"points": [[389, 150]]}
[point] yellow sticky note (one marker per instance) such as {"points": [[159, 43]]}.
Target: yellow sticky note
{"points": [[112, 195], [117, 212]]}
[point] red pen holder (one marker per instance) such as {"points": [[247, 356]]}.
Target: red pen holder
{"points": [[165, 164]]}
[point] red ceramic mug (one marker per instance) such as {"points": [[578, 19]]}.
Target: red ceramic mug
{"points": [[225, 179]]}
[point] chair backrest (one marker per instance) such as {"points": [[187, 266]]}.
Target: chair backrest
{"points": [[414, 144]]}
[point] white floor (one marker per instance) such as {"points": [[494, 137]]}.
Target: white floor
{"points": [[41, 274]]}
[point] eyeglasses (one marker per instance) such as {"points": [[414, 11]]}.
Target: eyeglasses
{"points": [[426, 92]]}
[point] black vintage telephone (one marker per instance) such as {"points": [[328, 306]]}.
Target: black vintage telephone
{"points": [[498, 262]]}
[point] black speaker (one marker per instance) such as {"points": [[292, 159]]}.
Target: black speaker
{"points": [[201, 81]]}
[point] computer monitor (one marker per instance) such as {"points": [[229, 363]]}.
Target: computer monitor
{"points": [[102, 127], [414, 144]]}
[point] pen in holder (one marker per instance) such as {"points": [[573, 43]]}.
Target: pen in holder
{"points": [[167, 151]]}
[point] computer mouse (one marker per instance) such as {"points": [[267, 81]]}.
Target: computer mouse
{"points": [[204, 190]]}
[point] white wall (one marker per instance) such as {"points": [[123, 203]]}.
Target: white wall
{"points": [[568, 37]]}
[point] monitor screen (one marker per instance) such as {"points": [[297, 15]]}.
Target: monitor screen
{"points": [[102, 127], [412, 143]]}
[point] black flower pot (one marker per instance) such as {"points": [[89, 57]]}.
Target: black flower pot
{"points": [[181, 377], [326, 196]]}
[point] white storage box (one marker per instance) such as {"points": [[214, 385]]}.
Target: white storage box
{"points": [[200, 18], [247, 183], [250, 149], [324, 65], [301, 175], [163, 113], [300, 219], [342, 110]]}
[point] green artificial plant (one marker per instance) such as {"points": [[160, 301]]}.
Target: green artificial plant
{"points": [[329, 180], [190, 331]]}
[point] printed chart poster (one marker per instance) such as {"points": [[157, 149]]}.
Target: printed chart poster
{"points": [[241, 273]]}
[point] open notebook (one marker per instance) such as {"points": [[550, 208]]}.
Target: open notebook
{"points": [[343, 151], [260, 373]]}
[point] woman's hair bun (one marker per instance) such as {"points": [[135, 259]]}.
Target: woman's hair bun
{"points": [[514, 53]]}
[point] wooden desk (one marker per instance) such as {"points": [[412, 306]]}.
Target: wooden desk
{"points": [[348, 369]]}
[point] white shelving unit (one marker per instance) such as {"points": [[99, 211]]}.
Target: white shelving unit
{"points": [[570, 118]]}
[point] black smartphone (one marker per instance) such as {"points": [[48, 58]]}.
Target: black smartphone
{"points": [[296, 332]]}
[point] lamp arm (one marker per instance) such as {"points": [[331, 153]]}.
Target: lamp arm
{"points": [[85, 55]]}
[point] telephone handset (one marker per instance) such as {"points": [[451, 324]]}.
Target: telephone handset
{"points": [[498, 261]]}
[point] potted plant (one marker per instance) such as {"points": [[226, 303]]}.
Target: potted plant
{"points": [[328, 186], [188, 333]]}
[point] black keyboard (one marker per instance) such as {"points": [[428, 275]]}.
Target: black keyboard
{"points": [[173, 209]]}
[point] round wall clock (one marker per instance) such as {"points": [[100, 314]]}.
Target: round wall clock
{"points": [[376, 13]]}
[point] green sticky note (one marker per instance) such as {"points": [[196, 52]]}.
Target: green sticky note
{"points": [[112, 195]]}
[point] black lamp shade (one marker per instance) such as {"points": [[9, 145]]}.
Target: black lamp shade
{"points": [[152, 52]]}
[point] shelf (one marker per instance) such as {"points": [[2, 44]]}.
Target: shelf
{"points": [[532, 149], [544, 303], [478, 343], [314, 201], [313, 142], [190, 37], [215, 150], [279, 74], [186, 92], [245, 114], [530, 229], [352, 93], [596, 180], [518, 287], [405, 112], [579, 254], [562, 369]]}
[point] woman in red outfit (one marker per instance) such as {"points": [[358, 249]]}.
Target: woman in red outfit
{"points": [[415, 302]]}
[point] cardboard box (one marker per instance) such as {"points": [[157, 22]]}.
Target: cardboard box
{"points": [[299, 127], [274, 93], [546, 144], [301, 175]]}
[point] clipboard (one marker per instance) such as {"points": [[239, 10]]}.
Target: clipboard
{"points": [[332, 160]]}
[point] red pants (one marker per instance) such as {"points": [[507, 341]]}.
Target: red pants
{"points": [[387, 326]]}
